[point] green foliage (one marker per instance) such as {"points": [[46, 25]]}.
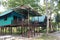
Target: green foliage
{"points": [[15, 3], [59, 5], [58, 18]]}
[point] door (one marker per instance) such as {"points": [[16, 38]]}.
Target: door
{"points": [[15, 20]]}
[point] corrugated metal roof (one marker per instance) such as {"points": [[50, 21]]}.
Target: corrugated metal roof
{"points": [[6, 12]]}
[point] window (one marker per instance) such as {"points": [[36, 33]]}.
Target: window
{"points": [[5, 18]]}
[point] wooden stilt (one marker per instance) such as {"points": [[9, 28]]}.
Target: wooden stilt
{"points": [[34, 31], [1, 30], [11, 30], [5, 30]]}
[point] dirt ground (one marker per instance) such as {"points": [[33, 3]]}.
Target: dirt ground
{"points": [[40, 36]]}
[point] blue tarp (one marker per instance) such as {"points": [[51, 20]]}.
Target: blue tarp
{"points": [[38, 18]]}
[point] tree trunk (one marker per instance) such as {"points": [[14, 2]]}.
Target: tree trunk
{"points": [[47, 16], [51, 9]]}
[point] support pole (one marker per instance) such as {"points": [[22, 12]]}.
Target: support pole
{"points": [[28, 18], [22, 27], [28, 25]]}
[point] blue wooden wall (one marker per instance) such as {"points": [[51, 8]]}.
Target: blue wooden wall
{"points": [[9, 18], [7, 22]]}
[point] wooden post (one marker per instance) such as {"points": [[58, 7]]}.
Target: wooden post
{"points": [[34, 27], [28, 24], [1, 30], [34, 31], [11, 30], [28, 18], [5, 30], [22, 26]]}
